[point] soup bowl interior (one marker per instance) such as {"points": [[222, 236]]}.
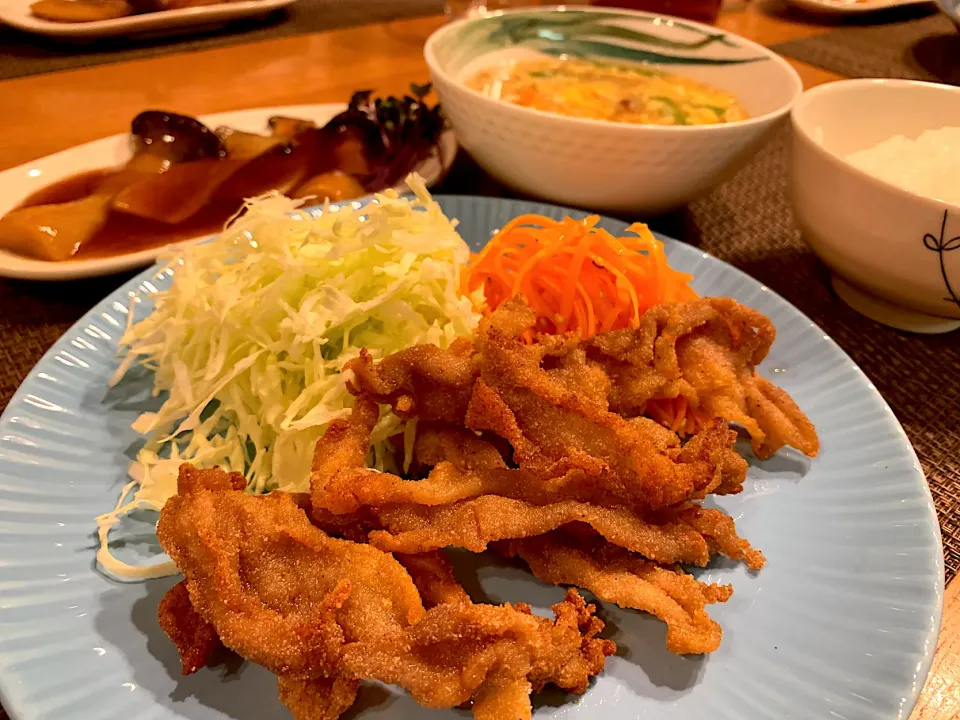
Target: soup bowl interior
{"points": [[761, 81]]}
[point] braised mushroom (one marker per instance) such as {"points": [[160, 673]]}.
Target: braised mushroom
{"points": [[174, 138]]}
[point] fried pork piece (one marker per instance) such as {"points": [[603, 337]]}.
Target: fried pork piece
{"points": [[550, 405], [433, 575], [279, 591], [688, 534], [473, 499], [423, 381], [345, 442], [284, 594], [464, 467], [625, 579], [467, 466], [704, 351], [195, 638], [317, 698], [461, 651]]}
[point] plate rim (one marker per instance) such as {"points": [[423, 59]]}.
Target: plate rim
{"points": [[867, 386], [137, 24], [837, 7]]}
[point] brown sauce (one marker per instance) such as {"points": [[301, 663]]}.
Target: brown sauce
{"points": [[124, 234], [75, 187]]}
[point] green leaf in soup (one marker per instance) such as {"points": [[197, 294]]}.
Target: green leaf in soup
{"points": [[588, 49], [679, 116]]}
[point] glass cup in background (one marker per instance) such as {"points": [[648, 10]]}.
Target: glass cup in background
{"points": [[699, 10], [471, 8]]}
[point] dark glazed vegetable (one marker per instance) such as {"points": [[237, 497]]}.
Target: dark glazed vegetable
{"points": [[175, 138], [185, 180], [396, 134]]}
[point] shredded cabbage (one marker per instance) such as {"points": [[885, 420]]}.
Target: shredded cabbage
{"points": [[250, 338]]}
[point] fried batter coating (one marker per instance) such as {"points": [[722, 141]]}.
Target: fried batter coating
{"points": [[433, 575], [474, 524], [551, 405], [279, 591], [720, 533], [195, 638], [345, 442], [618, 576], [476, 500], [423, 381], [317, 698], [705, 351], [466, 466], [449, 656], [282, 593]]}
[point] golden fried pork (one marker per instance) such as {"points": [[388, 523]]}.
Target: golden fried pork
{"points": [[550, 406], [623, 578], [671, 536], [477, 468], [696, 359], [471, 498], [703, 352], [195, 638], [433, 575], [317, 698], [324, 613]]}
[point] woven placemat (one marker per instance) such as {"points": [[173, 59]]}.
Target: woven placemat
{"points": [[746, 222], [22, 54], [923, 49]]}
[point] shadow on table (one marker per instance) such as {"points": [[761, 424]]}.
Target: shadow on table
{"points": [[938, 55]]}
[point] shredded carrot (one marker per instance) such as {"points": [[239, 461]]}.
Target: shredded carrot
{"points": [[580, 278], [677, 414], [576, 275]]}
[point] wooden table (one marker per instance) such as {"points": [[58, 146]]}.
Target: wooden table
{"points": [[46, 113]]}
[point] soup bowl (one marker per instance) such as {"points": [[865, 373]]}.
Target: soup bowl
{"points": [[891, 250], [595, 163]]}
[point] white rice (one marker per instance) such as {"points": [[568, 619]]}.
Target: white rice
{"points": [[928, 166]]}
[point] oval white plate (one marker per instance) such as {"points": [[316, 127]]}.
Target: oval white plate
{"points": [[842, 622], [851, 7], [19, 182], [17, 13]]}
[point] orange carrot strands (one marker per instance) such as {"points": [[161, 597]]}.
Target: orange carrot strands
{"points": [[578, 277]]}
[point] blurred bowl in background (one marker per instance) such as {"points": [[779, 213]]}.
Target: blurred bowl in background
{"points": [[891, 249], [593, 163], [950, 8]]}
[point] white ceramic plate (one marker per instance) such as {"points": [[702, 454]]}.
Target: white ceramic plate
{"points": [[19, 182], [851, 7], [17, 13], [841, 624]]}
